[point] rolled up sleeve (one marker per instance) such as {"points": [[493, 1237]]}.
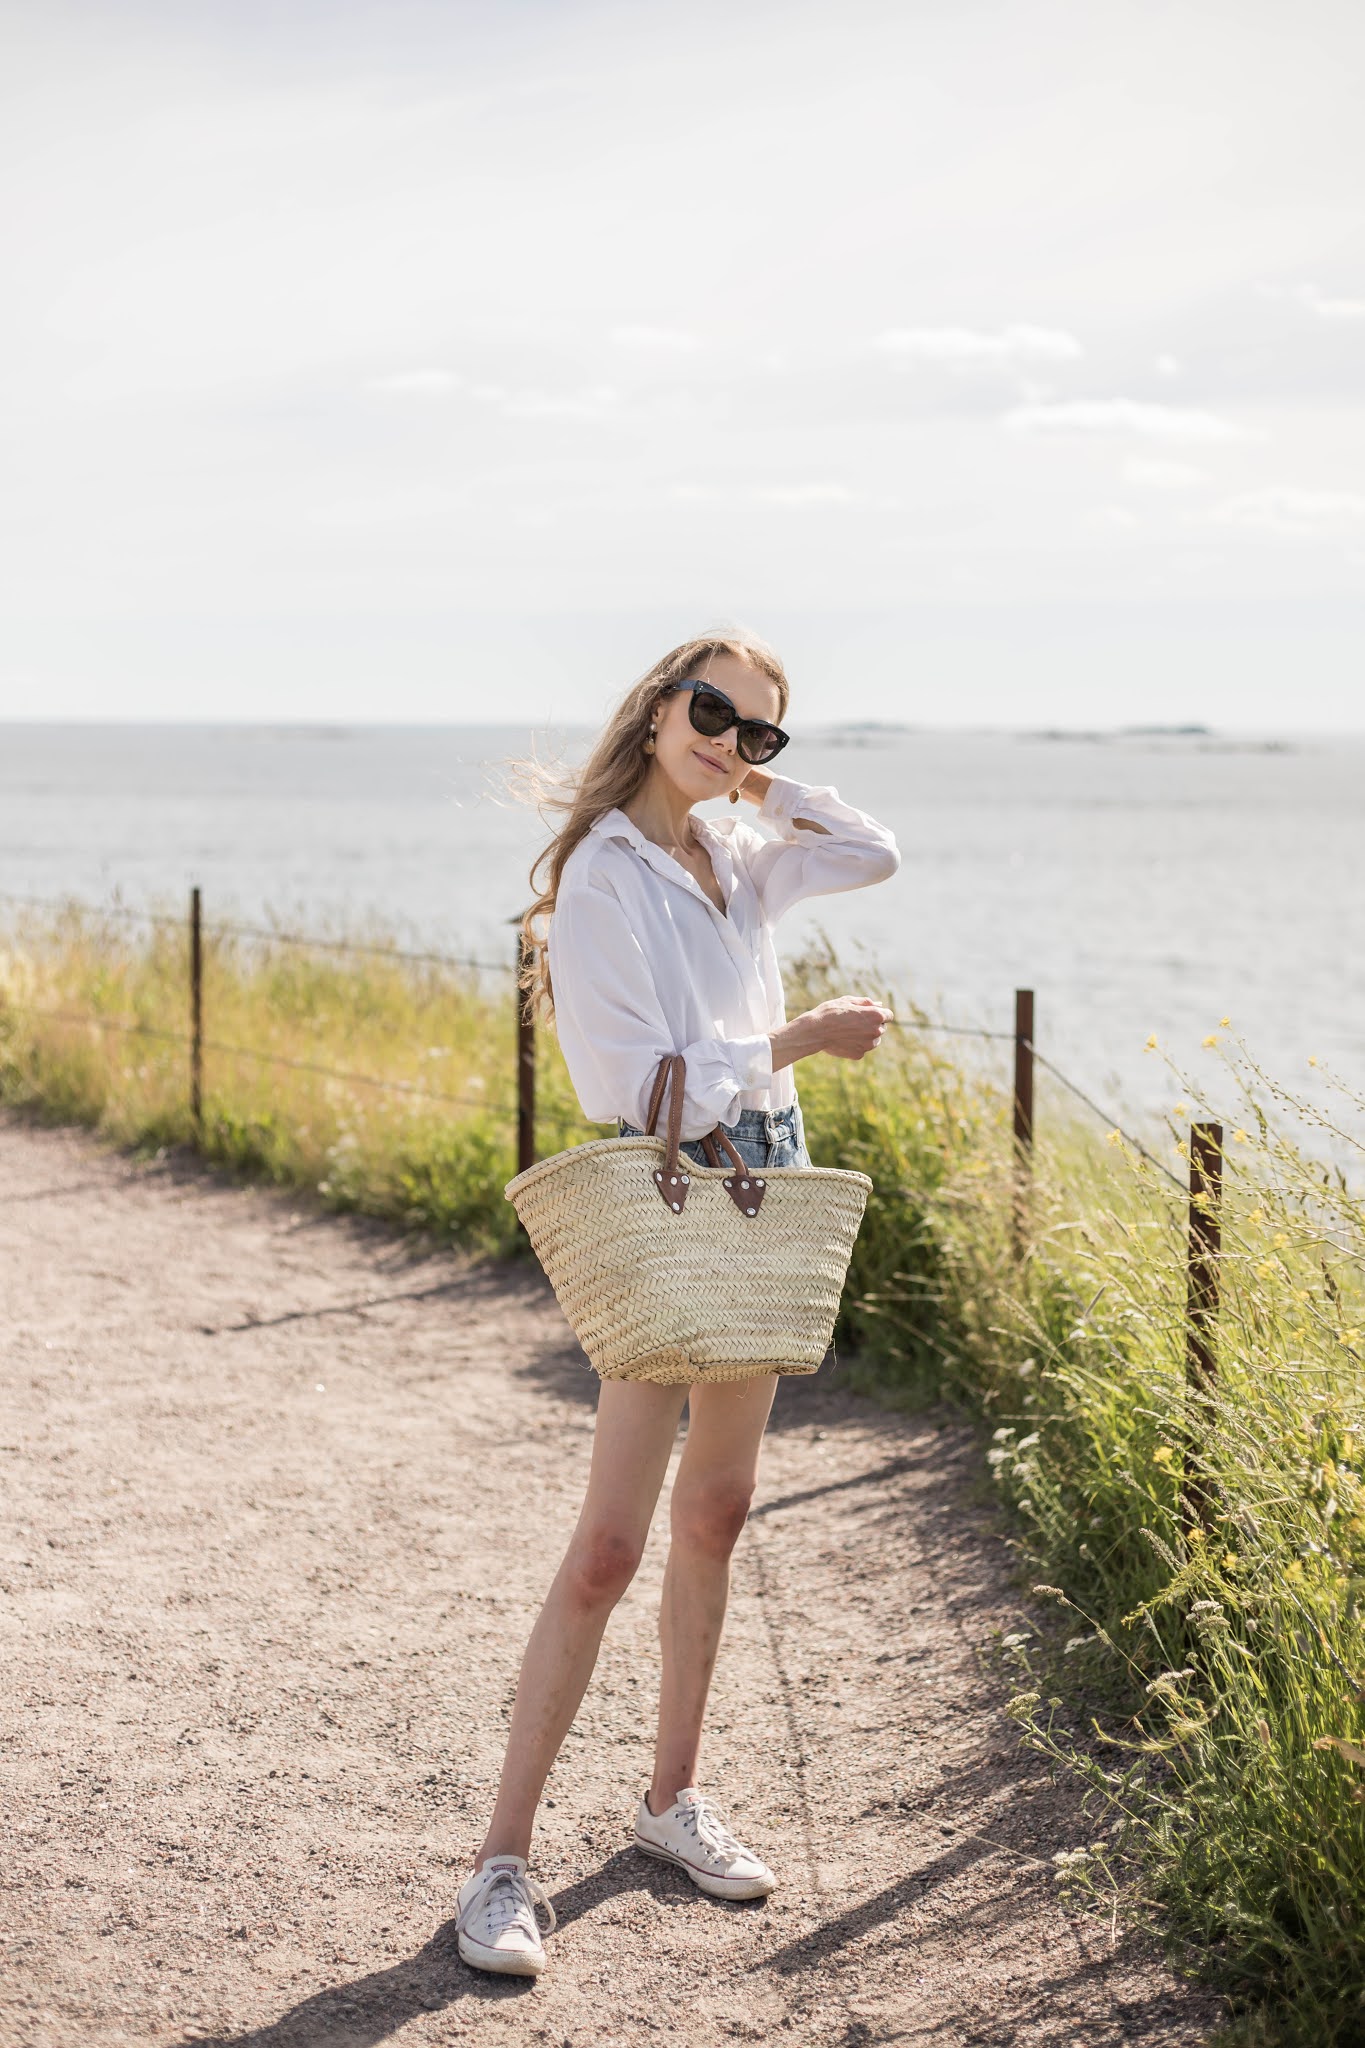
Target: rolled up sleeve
{"points": [[612, 1031], [850, 852]]}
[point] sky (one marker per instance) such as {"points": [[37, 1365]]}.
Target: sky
{"points": [[1001, 362]]}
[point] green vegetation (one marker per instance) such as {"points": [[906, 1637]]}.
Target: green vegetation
{"points": [[1209, 1686]]}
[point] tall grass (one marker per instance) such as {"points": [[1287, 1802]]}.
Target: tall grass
{"points": [[1209, 1687], [431, 1149]]}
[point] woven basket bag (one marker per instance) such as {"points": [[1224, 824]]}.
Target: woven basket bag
{"points": [[680, 1273]]}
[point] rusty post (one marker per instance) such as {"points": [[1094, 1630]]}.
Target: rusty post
{"points": [[1023, 1114], [526, 1062], [196, 1017], [1205, 1247]]}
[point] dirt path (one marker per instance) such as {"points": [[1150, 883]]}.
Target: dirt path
{"points": [[281, 1501]]}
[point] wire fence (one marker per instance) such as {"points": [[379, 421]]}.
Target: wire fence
{"points": [[198, 1044], [1026, 1043], [226, 929], [1205, 1154], [133, 1028]]}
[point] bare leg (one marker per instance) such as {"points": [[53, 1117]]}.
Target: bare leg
{"points": [[711, 1495], [637, 1424]]}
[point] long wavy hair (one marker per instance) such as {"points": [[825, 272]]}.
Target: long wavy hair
{"points": [[610, 776]]}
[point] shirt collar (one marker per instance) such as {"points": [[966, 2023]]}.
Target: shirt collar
{"points": [[614, 824]]}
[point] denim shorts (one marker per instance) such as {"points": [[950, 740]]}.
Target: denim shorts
{"points": [[762, 1137]]}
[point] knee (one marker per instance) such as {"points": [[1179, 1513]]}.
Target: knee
{"points": [[600, 1565], [711, 1517]]}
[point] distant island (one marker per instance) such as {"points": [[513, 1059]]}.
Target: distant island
{"points": [[1209, 741], [1180, 731], [1121, 732]]}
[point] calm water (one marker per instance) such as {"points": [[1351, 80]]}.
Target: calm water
{"points": [[1138, 884]]}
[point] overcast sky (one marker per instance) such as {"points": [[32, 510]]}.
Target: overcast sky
{"points": [[1002, 363]]}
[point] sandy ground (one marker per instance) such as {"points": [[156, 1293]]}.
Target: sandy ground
{"points": [[281, 1500]]}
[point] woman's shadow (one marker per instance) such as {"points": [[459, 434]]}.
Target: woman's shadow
{"points": [[368, 2010]]}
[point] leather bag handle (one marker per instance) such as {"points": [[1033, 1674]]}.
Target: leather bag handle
{"points": [[745, 1188]]}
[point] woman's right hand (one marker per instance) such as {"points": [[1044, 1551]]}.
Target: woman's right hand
{"points": [[850, 1026]]}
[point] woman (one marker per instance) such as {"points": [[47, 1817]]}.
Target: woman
{"points": [[660, 940]]}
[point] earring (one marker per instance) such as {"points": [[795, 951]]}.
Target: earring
{"points": [[734, 796], [649, 743]]}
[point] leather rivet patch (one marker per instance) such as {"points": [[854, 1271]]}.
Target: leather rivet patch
{"points": [[751, 1212], [672, 1180], [675, 1205], [744, 1183]]}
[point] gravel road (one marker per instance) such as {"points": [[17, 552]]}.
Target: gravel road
{"points": [[282, 1497]]}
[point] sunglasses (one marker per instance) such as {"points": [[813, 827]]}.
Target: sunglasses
{"points": [[712, 713]]}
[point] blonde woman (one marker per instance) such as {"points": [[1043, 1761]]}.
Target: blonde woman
{"points": [[659, 941]]}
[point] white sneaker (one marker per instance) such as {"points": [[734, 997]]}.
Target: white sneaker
{"points": [[692, 1835], [495, 1923]]}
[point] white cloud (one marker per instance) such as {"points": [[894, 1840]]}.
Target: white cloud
{"points": [[805, 494], [1329, 308], [661, 338], [966, 347], [1283, 508], [1157, 473], [593, 401], [1122, 416], [796, 495], [419, 383]]}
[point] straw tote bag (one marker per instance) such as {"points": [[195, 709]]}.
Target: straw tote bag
{"points": [[680, 1273]]}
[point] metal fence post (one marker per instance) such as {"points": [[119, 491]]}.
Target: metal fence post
{"points": [[1205, 1247], [196, 1017], [526, 1062], [1023, 1115]]}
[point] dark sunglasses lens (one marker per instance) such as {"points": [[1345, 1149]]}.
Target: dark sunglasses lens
{"points": [[711, 713], [759, 743]]}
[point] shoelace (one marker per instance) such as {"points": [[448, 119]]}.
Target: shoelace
{"points": [[509, 1896], [711, 1829]]}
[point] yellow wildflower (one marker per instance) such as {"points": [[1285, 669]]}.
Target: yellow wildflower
{"points": [[1257, 1215], [1280, 1240], [1265, 1269], [1225, 1022], [1311, 1061], [1116, 1137], [1212, 1038], [1182, 1108], [1240, 1138], [1163, 1455], [1347, 1336], [1151, 1043]]}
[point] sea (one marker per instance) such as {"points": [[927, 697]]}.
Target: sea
{"points": [[1144, 884]]}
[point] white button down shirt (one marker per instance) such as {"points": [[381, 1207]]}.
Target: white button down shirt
{"points": [[642, 962]]}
